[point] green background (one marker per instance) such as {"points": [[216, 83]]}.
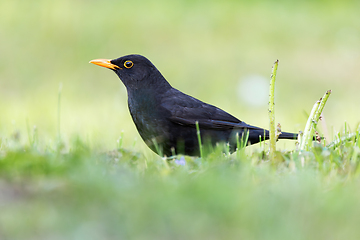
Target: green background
{"points": [[203, 48]]}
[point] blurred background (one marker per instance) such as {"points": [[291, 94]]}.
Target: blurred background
{"points": [[218, 51]]}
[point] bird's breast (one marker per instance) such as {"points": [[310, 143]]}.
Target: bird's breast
{"points": [[148, 118]]}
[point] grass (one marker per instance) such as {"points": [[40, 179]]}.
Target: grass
{"points": [[84, 194], [61, 179]]}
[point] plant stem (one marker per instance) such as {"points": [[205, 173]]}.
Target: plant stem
{"points": [[316, 118], [308, 126], [199, 138], [272, 109], [312, 122]]}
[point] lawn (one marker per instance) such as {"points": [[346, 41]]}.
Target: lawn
{"points": [[72, 165]]}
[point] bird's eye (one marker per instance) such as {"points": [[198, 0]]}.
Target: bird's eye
{"points": [[128, 64]]}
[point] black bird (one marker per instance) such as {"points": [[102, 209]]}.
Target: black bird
{"points": [[166, 118]]}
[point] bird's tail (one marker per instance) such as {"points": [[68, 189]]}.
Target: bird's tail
{"points": [[287, 135], [257, 135], [294, 136]]}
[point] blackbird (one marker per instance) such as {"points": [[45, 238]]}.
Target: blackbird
{"points": [[166, 118]]}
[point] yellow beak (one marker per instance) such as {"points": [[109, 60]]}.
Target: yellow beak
{"points": [[104, 63]]}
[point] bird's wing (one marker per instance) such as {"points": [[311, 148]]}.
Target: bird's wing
{"points": [[211, 124], [186, 110]]}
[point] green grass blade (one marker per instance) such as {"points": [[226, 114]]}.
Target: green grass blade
{"points": [[199, 138]]}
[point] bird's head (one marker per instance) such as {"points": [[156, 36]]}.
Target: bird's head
{"points": [[135, 71]]}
